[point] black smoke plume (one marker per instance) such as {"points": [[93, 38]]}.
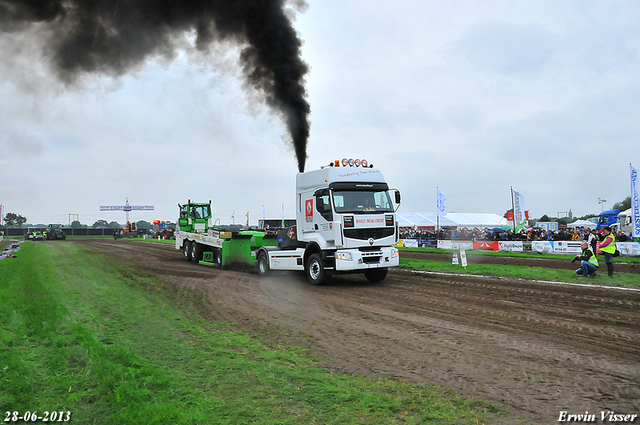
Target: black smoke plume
{"points": [[113, 36]]}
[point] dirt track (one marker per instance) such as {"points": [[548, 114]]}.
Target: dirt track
{"points": [[533, 348]]}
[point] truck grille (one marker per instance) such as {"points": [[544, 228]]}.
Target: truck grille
{"points": [[364, 234], [372, 259]]}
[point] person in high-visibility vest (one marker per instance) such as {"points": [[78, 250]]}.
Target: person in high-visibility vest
{"points": [[589, 262], [608, 248]]}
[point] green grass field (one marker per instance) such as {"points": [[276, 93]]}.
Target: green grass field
{"points": [[85, 334]]}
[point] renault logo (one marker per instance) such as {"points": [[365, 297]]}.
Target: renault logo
{"points": [[370, 241]]}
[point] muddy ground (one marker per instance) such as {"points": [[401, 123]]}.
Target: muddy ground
{"points": [[532, 348]]}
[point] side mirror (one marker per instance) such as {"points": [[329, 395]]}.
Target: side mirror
{"points": [[397, 197]]}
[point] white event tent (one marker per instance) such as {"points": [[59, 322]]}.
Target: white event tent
{"points": [[582, 223], [459, 220]]}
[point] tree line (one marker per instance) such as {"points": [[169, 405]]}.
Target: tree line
{"points": [[16, 220]]}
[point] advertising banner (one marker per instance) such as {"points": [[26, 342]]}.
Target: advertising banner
{"points": [[410, 243], [629, 249], [542, 246], [511, 246], [126, 207], [518, 211], [567, 246], [635, 203], [427, 243], [486, 245], [442, 210], [455, 244], [463, 258]]}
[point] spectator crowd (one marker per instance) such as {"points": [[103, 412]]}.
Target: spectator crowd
{"points": [[496, 234]]}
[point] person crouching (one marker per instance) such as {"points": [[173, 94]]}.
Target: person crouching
{"points": [[589, 262]]}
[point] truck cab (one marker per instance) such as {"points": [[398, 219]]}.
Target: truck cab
{"points": [[607, 218], [194, 217], [624, 222]]}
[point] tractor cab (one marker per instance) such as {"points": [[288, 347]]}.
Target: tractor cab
{"points": [[194, 217]]}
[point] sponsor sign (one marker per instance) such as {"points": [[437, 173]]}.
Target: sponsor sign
{"points": [[510, 246], [348, 221], [510, 215], [518, 210], [547, 225], [567, 246], [308, 210], [463, 258], [410, 243], [446, 244], [629, 249], [542, 246], [358, 173], [388, 220], [486, 245], [368, 221], [635, 203], [441, 209], [126, 208]]}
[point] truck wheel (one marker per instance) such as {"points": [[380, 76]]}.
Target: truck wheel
{"points": [[263, 264], [218, 254], [376, 275], [196, 252], [186, 250], [315, 270]]}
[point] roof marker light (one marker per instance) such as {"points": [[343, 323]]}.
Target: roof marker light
{"points": [[345, 162], [357, 162], [351, 162]]}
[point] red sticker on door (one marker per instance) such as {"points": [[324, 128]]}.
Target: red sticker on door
{"points": [[308, 206]]}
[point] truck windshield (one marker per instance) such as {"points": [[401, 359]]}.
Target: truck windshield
{"points": [[361, 202], [200, 211]]}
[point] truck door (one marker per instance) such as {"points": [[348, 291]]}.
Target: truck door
{"points": [[307, 207], [324, 215]]}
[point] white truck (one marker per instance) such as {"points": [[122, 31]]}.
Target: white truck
{"points": [[623, 223], [345, 223]]}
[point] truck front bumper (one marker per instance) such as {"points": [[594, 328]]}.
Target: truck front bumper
{"points": [[354, 259]]}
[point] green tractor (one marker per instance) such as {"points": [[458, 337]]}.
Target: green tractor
{"points": [[55, 232]]}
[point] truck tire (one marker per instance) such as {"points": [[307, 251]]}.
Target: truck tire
{"points": [[196, 252], [263, 264], [376, 275], [186, 250], [315, 270], [218, 254]]}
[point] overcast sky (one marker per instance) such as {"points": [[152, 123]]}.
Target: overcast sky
{"points": [[470, 97]]}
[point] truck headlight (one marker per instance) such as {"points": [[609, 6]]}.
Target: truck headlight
{"points": [[343, 256], [395, 252]]}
